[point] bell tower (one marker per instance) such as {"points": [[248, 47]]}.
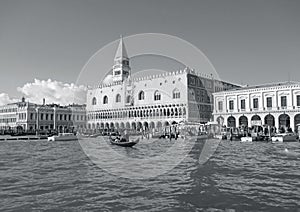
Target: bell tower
{"points": [[121, 68]]}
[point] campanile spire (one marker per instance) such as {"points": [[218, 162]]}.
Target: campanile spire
{"points": [[121, 68]]}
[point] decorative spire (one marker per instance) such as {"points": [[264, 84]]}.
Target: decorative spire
{"points": [[121, 51]]}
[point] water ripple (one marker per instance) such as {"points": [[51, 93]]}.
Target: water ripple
{"points": [[40, 175]]}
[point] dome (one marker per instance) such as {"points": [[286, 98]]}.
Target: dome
{"points": [[108, 80]]}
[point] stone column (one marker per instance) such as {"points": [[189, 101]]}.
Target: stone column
{"points": [[276, 117], [292, 121], [249, 120]]}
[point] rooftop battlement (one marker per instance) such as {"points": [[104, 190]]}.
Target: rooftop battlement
{"points": [[187, 70]]}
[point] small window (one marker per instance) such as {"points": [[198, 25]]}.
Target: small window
{"points": [[231, 106], [243, 104], [157, 96], [298, 100], [220, 106], [269, 102], [283, 101], [105, 100], [255, 103], [191, 92], [192, 81], [176, 94], [94, 101]]}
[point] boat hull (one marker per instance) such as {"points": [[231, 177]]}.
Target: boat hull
{"points": [[284, 138], [64, 138], [246, 139], [124, 143]]}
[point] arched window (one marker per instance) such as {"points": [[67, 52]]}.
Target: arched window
{"points": [[157, 96], [118, 98], [176, 94], [94, 101], [128, 99], [105, 100], [141, 95]]}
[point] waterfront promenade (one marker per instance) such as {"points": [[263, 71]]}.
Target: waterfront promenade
{"points": [[21, 138]]}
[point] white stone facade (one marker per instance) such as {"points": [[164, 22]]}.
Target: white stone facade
{"points": [[30, 117], [275, 104], [151, 101]]}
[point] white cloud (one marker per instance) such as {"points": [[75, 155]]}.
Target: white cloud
{"points": [[53, 92], [5, 99]]}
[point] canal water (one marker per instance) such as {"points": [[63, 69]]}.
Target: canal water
{"points": [[59, 176]]}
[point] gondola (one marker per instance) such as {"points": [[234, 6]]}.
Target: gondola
{"points": [[124, 142]]}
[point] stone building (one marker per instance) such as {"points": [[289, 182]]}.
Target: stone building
{"points": [[26, 116], [150, 101], [276, 104]]}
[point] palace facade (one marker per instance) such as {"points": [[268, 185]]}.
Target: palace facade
{"points": [[26, 116], [276, 104], [150, 101]]}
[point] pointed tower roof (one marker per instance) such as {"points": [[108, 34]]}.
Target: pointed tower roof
{"points": [[121, 51]]}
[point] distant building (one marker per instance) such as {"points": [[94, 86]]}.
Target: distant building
{"points": [[30, 117], [276, 104], [8, 116], [151, 101]]}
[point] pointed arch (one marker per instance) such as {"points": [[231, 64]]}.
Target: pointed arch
{"points": [[118, 98], [141, 95], [128, 99], [105, 100], [94, 101]]}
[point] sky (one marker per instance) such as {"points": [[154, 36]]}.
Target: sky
{"points": [[44, 44]]}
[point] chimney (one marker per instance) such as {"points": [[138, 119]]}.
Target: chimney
{"points": [[44, 101]]}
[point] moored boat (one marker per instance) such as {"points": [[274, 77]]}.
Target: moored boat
{"points": [[63, 137], [284, 137], [246, 139]]}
